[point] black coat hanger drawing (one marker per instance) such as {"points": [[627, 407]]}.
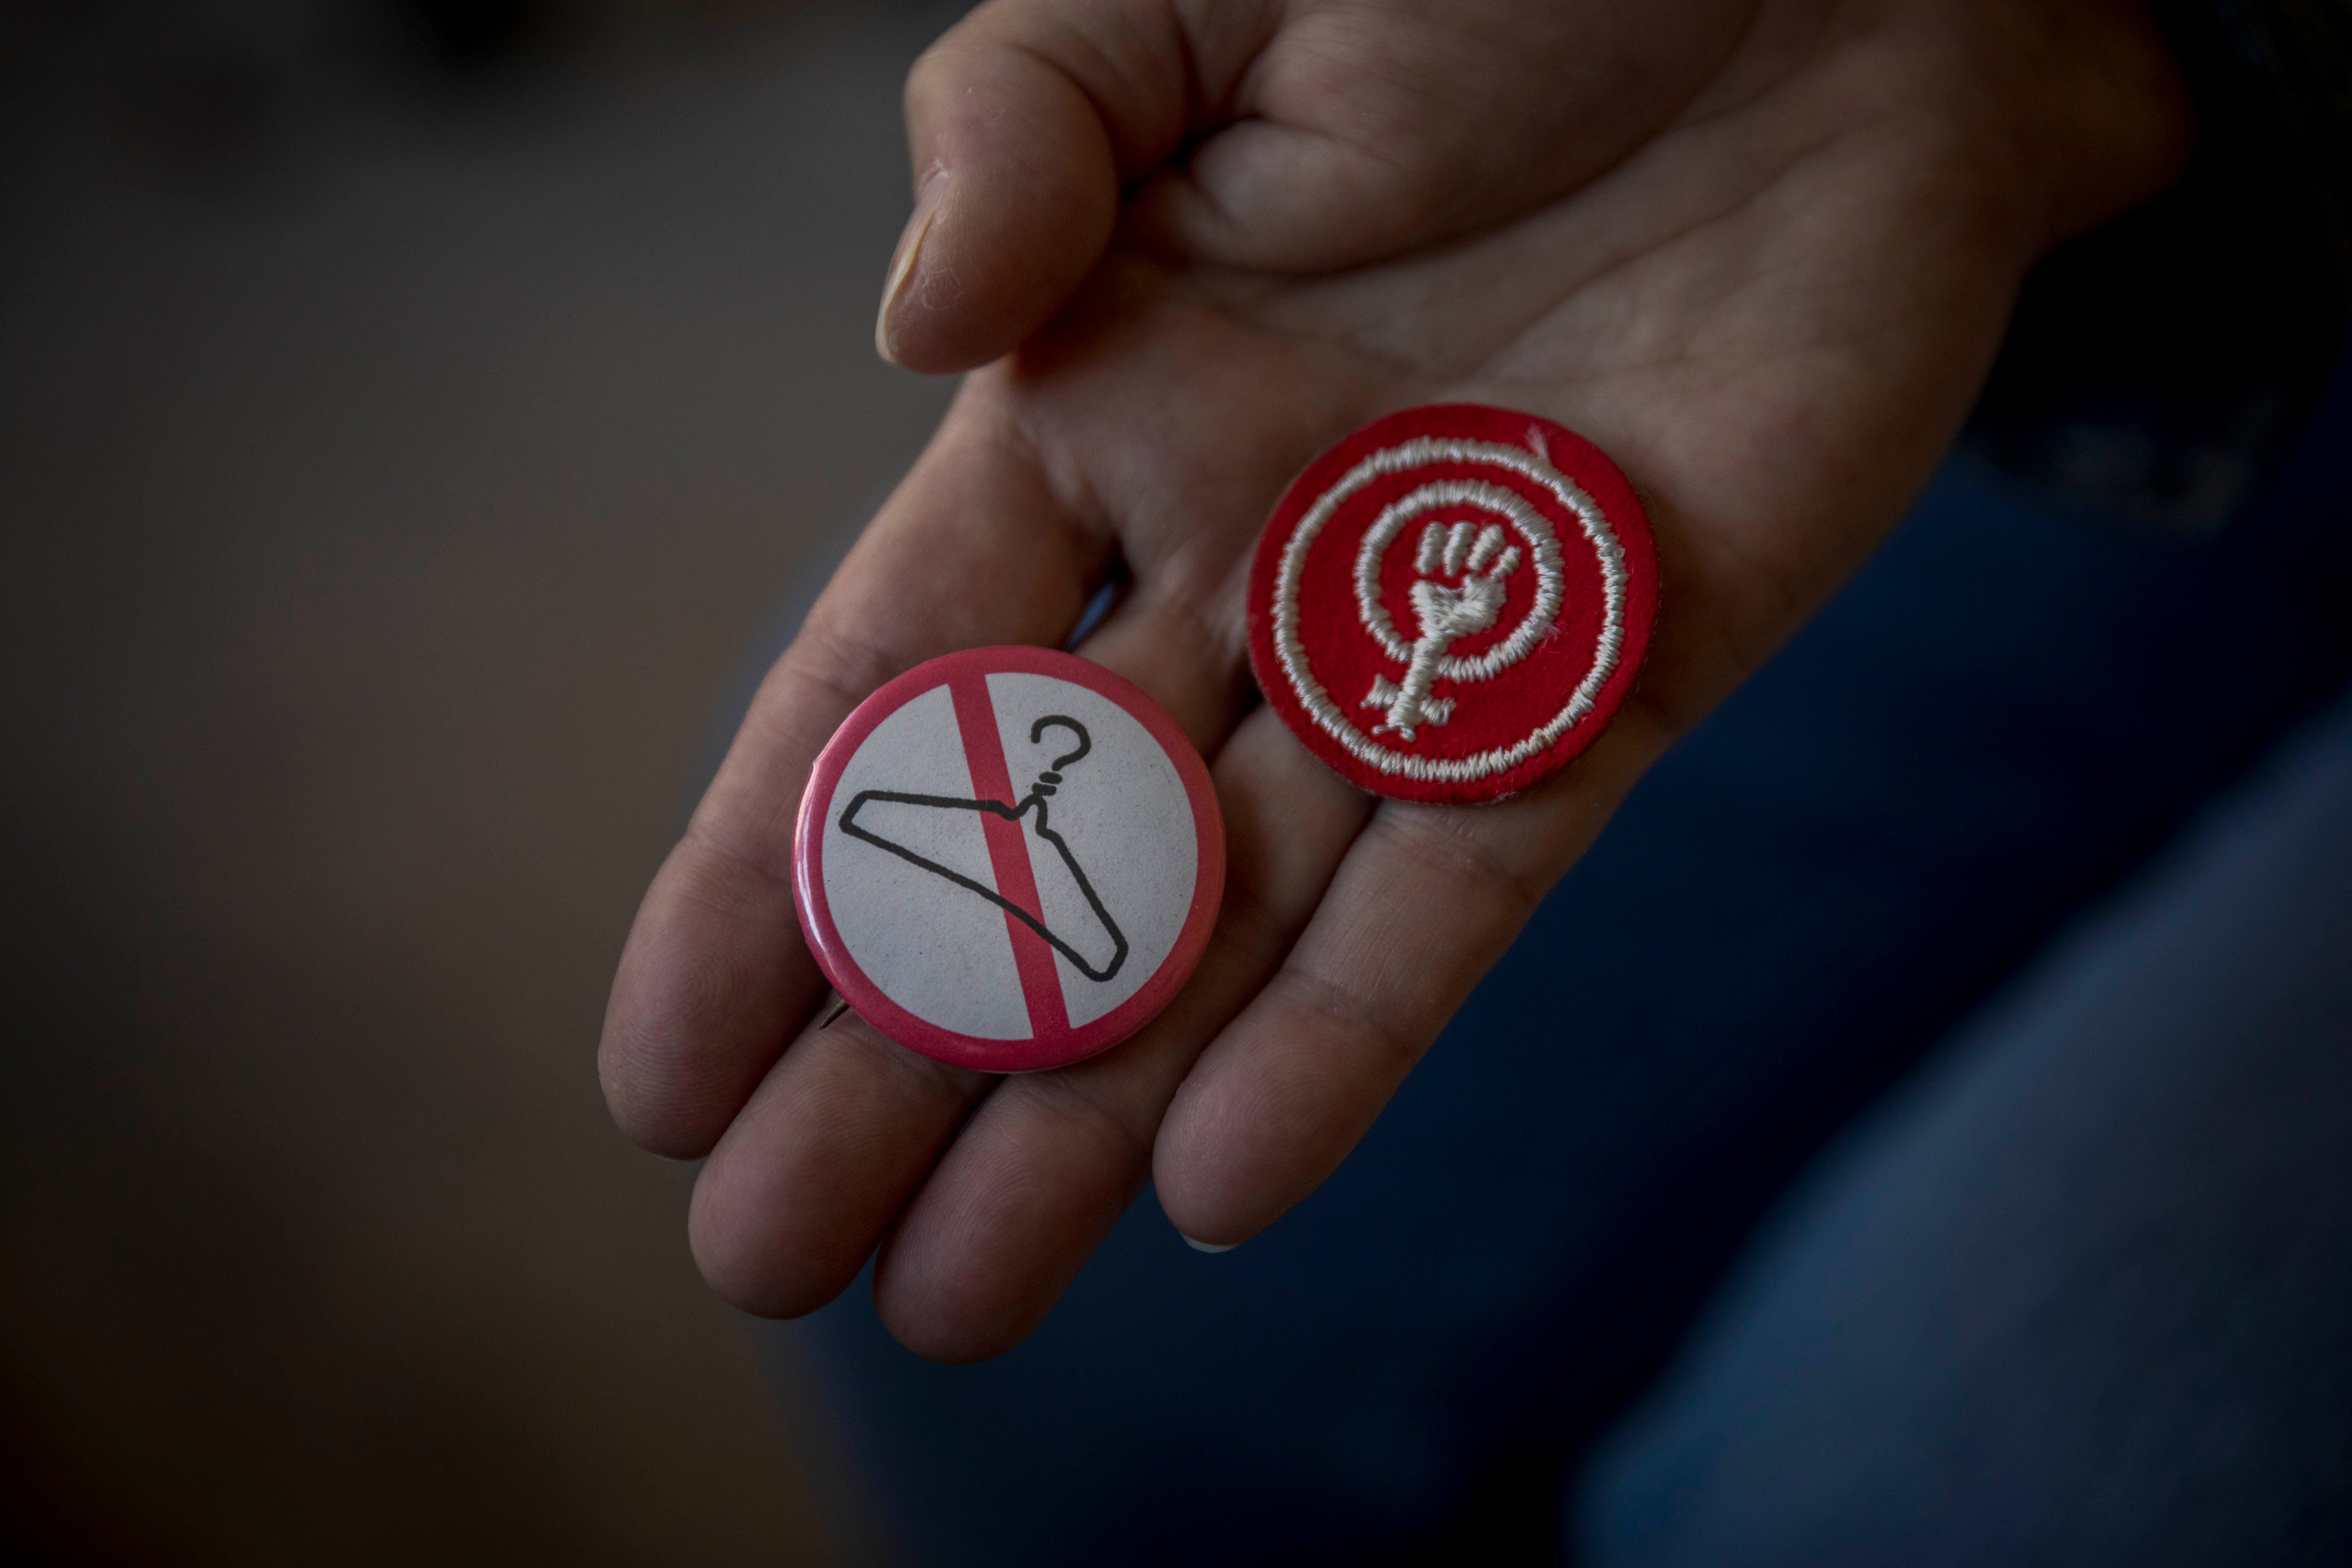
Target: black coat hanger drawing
{"points": [[1034, 801]]}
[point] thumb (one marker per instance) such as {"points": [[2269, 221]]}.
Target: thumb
{"points": [[1024, 121]]}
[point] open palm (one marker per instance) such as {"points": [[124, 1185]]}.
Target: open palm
{"points": [[1760, 251]]}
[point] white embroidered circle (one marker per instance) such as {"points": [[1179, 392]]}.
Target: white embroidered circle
{"points": [[1422, 452]]}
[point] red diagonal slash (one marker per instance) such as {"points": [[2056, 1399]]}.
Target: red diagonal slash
{"points": [[1008, 854]]}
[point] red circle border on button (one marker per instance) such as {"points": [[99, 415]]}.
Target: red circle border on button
{"points": [[1332, 646], [1069, 1044]]}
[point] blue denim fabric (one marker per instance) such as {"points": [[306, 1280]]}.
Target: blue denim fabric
{"points": [[2001, 717], [2083, 1292]]}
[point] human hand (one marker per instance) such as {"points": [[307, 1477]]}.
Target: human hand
{"points": [[1760, 251]]}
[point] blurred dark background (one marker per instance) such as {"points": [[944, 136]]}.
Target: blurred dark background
{"points": [[409, 413]]}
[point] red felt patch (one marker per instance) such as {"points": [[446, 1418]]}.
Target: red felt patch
{"points": [[1451, 602]]}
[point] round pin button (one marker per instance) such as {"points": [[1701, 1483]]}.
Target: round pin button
{"points": [[1453, 603], [1008, 859]]}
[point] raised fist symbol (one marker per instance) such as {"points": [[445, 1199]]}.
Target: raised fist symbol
{"points": [[1463, 573]]}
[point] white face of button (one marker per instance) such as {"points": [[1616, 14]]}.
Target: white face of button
{"points": [[932, 947], [912, 853]]}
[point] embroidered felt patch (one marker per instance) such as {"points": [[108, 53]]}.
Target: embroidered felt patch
{"points": [[1453, 601], [1008, 859]]}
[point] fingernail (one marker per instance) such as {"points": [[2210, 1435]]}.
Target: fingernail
{"points": [[902, 265], [1208, 1247]]}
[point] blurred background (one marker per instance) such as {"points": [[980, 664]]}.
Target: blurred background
{"points": [[410, 413]]}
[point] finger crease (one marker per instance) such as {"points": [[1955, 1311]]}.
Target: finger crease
{"points": [[1454, 853], [1058, 1094], [1341, 1007]]}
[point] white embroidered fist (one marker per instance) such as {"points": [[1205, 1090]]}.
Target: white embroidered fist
{"points": [[1465, 571], [1478, 559]]}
